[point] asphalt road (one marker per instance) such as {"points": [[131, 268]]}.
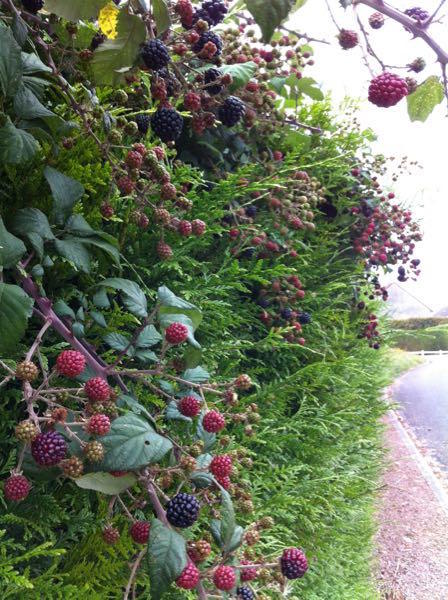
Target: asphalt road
{"points": [[423, 396]]}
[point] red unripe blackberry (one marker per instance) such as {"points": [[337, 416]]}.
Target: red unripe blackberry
{"points": [[125, 185], [387, 89], [190, 406], [224, 481], [70, 363], [293, 563], [168, 191], [192, 101], [277, 155], [189, 578], [164, 251], [107, 210], [417, 65], [376, 20], [159, 152], [243, 382], [97, 389], [98, 425], [134, 159], [185, 228], [198, 550], [198, 227], [348, 39], [111, 535], [33, 6], [176, 333], [412, 84], [17, 487], [161, 215], [49, 448], [213, 421], [221, 466], [140, 531], [185, 10], [250, 573], [140, 148], [224, 578], [27, 371]]}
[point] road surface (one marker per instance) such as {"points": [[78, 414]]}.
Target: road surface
{"points": [[423, 396]]}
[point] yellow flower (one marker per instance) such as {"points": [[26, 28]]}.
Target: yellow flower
{"points": [[107, 20]]}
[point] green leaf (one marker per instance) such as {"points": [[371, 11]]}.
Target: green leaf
{"points": [[78, 330], [31, 63], [75, 252], [132, 443], [307, 85], [236, 540], [208, 438], [146, 355], [228, 522], [192, 357], [167, 557], [66, 192], [19, 29], [161, 15], [28, 106], [11, 248], [196, 375], [114, 57], [278, 84], [36, 242], [16, 145], [202, 480], [77, 10], [100, 299], [109, 249], [133, 405], [78, 225], [269, 15], [170, 304], [98, 317], [62, 309], [425, 98], [106, 483], [118, 342], [15, 309], [133, 297], [148, 337], [10, 62], [241, 74], [32, 220]]}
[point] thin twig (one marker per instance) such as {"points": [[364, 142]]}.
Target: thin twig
{"points": [[332, 15], [133, 574], [434, 14], [305, 36]]}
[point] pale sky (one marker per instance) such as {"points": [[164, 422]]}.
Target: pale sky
{"points": [[343, 73]]}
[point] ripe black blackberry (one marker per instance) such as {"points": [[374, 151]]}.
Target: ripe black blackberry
{"points": [[171, 83], [211, 11], [143, 122], [155, 54], [293, 563], [210, 76], [231, 112], [33, 6], [245, 593], [97, 40], [182, 510], [167, 124], [208, 36], [304, 318], [417, 13]]}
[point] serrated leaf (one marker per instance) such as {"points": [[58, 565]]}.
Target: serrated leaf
{"points": [[10, 62], [98, 318], [167, 557], [100, 299], [11, 248], [196, 375], [114, 57], [75, 252], [241, 74], [170, 303], [78, 225], [236, 540], [19, 29], [28, 106], [106, 247], [15, 309], [37, 243], [425, 98], [215, 528], [80, 10], [66, 193], [228, 522], [146, 355], [16, 145], [202, 480], [106, 483], [308, 86], [118, 342], [78, 330], [32, 220], [133, 297], [134, 405], [132, 443], [148, 337], [62, 309], [31, 63], [161, 15], [269, 15]]}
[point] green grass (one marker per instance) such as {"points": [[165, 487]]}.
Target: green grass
{"points": [[430, 338], [399, 361]]}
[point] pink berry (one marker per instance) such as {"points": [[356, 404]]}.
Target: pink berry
{"points": [[17, 487], [164, 251], [387, 90], [176, 333], [98, 424], [189, 578], [140, 531], [198, 227], [224, 578], [185, 228], [97, 389], [111, 535], [70, 363], [190, 406], [213, 421], [221, 466]]}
